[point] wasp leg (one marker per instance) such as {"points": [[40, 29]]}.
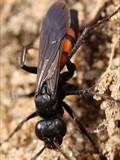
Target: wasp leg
{"points": [[83, 38], [19, 126], [65, 76], [81, 127], [74, 21], [29, 95], [88, 92], [22, 62], [39, 153]]}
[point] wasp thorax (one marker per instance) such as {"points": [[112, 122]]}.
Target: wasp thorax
{"points": [[46, 106], [51, 131]]}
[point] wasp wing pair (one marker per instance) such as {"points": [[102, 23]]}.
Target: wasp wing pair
{"points": [[54, 28]]}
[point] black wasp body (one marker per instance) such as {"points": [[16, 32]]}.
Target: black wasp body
{"points": [[57, 38], [51, 86]]}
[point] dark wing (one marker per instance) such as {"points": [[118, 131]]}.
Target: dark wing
{"points": [[53, 30]]}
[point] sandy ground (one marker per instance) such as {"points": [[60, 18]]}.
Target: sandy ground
{"points": [[98, 63]]}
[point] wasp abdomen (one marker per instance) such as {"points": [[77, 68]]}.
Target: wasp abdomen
{"points": [[69, 41]]}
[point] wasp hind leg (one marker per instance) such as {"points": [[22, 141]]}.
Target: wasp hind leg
{"points": [[65, 76], [22, 61]]}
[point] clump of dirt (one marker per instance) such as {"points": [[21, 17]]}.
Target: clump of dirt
{"points": [[97, 63], [110, 81]]}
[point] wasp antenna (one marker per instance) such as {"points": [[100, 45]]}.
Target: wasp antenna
{"points": [[19, 126], [39, 153], [61, 151]]}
